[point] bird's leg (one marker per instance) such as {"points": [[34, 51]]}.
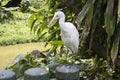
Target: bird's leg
{"points": [[67, 54]]}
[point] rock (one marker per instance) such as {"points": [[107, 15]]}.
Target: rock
{"points": [[36, 74], [67, 72], [53, 66], [7, 75], [19, 58], [53, 79], [37, 54]]}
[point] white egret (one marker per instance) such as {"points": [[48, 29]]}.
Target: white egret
{"points": [[69, 33]]}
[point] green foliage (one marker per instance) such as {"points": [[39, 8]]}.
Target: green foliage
{"points": [[16, 31], [110, 25], [109, 18], [100, 71], [36, 3], [91, 13], [4, 13], [85, 10], [110, 22], [24, 6], [115, 46], [56, 43], [4, 2]]}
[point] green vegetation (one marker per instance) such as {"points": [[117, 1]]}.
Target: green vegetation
{"points": [[4, 14], [13, 24], [16, 30]]}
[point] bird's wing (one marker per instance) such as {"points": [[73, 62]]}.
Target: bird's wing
{"points": [[74, 37], [75, 40]]}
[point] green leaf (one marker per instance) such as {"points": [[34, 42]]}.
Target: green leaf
{"points": [[41, 30], [4, 2], [109, 19], [31, 21], [41, 36], [33, 9], [110, 24], [38, 10], [43, 8], [89, 16], [84, 11], [44, 25], [60, 43], [116, 42], [88, 20]]}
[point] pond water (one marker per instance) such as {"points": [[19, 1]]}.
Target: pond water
{"points": [[8, 53]]}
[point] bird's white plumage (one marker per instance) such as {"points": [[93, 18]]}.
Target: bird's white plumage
{"points": [[69, 33], [70, 37]]}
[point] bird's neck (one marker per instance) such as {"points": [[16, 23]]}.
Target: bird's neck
{"points": [[61, 23], [62, 20]]}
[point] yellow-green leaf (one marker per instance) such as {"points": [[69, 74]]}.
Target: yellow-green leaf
{"points": [[4, 2], [56, 43], [31, 21]]}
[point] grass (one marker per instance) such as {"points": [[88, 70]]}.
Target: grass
{"points": [[16, 30]]}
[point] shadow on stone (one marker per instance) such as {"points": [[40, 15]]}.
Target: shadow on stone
{"points": [[67, 72]]}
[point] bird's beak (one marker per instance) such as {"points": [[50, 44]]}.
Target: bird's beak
{"points": [[53, 19]]}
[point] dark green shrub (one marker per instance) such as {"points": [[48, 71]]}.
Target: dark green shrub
{"points": [[24, 6], [5, 13]]}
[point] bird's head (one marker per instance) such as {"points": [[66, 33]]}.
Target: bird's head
{"points": [[57, 15]]}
